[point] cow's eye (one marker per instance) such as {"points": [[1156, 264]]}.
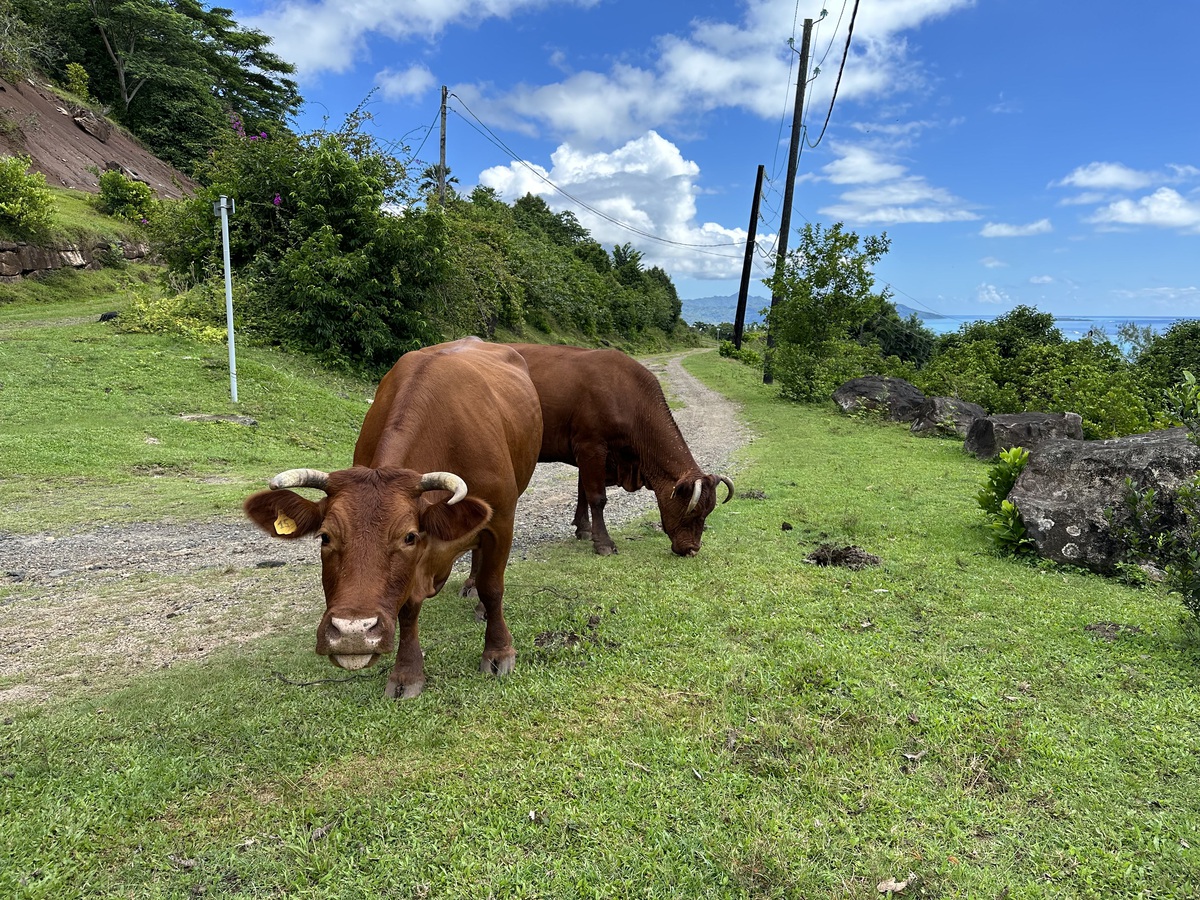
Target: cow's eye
{"points": [[324, 539], [410, 539]]}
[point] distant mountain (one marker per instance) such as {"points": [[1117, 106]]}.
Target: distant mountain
{"points": [[715, 310], [906, 311]]}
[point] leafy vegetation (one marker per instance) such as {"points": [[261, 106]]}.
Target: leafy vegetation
{"points": [[738, 724], [26, 206]]}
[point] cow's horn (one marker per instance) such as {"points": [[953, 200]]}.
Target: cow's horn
{"points": [[695, 496], [729, 484], [445, 481], [312, 478]]}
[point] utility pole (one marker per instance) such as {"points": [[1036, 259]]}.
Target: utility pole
{"points": [[739, 321], [785, 221], [442, 157]]}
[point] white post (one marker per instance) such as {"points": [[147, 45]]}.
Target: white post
{"points": [[224, 206]]}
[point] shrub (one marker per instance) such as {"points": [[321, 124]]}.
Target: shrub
{"points": [[1183, 403], [745, 355], [124, 197], [1174, 550], [26, 206], [75, 80], [1004, 519]]}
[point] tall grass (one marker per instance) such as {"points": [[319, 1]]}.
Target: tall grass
{"points": [[740, 724]]}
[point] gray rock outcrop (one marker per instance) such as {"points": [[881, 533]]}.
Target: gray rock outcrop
{"points": [[946, 416], [1067, 488], [896, 398], [991, 434]]}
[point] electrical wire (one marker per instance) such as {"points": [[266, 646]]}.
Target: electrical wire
{"points": [[838, 83]]}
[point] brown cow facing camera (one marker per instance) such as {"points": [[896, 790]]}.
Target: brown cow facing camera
{"points": [[606, 414], [445, 450]]}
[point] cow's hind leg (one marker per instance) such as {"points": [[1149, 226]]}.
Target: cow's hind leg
{"points": [[592, 488], [499, 656], [582, 521], [470, 591], [407, 678]]}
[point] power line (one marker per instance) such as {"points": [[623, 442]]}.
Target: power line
{"points": [[496, 141], [838, 83]]}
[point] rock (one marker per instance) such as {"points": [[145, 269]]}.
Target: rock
{"points": [[946, 416], [989, 435], [895, 397], [1068, 486], [91, 123]]}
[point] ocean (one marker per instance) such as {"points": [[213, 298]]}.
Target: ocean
{"points": [[722, 309], [1072, 327]]}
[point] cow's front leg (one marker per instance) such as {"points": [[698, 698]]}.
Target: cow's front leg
{"points": [[499, 656], [407, 678], [592, 488]]}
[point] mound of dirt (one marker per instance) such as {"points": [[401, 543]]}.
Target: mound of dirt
{"points": [[66, 142]]}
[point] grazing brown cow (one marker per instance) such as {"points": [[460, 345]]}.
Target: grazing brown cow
{"points": [[606, 414], [445, 450]]}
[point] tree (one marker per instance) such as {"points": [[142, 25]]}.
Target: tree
{"points": [[827, 295]]}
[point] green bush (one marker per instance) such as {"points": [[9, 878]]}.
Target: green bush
{"points": [[1183, 403], [1175, 551], [124, 197], [26, 205], [745, 355], [1001, 477], [75, 80]]}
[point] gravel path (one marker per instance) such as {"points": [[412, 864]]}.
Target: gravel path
{"points": [[123, 599]]}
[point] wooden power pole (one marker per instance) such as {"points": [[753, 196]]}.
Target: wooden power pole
{"points": [[739, 321], [785, 220], [442, 157]]}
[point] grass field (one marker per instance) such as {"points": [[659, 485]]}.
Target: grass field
{"points": [[740, 724]]}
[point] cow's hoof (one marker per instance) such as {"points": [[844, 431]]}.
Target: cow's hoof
{"points": [[583, 534], [605, 549], [397, 690], [468, 590], [498, 663], [480, 612]]}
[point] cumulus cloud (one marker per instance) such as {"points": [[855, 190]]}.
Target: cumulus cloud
{"points": [[645, 184], [412, 82], [990, 262], [989, 293], [997, 229], [1165, 208], [885, 194], [1106, 176], [328, 35], [1042, 279]]}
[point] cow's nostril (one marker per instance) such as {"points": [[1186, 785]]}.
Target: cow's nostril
{"points": [[354, 635]]}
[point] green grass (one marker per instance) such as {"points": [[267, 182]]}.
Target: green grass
{"points": [[92, 418], [740, 724], [76, 220]]}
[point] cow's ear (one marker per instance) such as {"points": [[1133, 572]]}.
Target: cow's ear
{"points": [[284, 514], [459, 522]]}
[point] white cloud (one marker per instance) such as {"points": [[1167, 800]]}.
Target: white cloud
{"points": [[884, 192], [1166, 300], [1042, 279], [861, 165], [996, 229], [412, 82], [1165, 208], [327, 35], [646, 184], [1106, 176], [1005, 106], [990, 262], [989, 293]]}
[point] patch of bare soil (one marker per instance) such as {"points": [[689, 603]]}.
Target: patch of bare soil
{"points": [[845, 557], [101, 606], [39, 124], [1110, 631]]}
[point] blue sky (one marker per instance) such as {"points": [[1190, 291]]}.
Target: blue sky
{"points": [[1045, 153]]}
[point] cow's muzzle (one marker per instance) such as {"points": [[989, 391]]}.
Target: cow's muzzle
{"points": [[353, 643]]}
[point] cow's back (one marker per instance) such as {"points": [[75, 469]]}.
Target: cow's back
{"points": [[597, 396], [467, 407]]}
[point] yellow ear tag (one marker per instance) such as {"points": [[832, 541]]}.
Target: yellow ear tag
{"points": [[284, 525]]}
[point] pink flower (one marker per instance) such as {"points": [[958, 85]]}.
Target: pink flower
{"points": [[277, 200]]}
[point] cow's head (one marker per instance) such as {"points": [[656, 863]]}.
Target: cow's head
{"points": [[389, 537], [685, 505]]}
